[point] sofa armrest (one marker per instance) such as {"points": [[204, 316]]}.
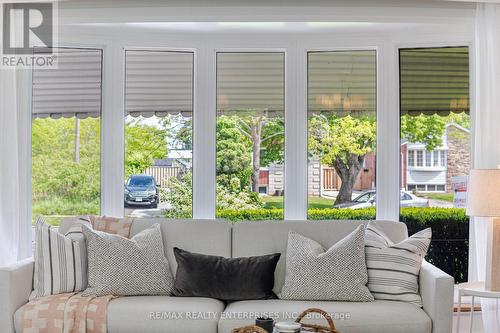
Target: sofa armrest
{"points": [[15, 287], [436, 289]]}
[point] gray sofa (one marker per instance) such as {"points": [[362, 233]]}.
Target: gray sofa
{"points": [[190, 315]]}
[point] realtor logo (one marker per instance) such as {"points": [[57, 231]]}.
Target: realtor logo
{"points": [[27, 26]]}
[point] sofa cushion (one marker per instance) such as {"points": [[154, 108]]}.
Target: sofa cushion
{"points": [[334, 274], [256, 238], [393, 269], [125, 267], [349, 317], [211, 237], [60, 261], [200, 236], [159, 314], [227, 279]]}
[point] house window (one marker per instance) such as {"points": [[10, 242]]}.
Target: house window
{"points": [[435, 158], [65, 135], [250, 130], [420, 158], [411, 158], [428, 158], [443, 158], [434, 101], [341, 128], [158, 133]]}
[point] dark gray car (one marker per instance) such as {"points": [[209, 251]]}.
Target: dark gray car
{"points": [[141, 190]]}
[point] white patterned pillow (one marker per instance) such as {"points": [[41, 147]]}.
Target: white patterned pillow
{"points": [[337, 274], [124, 267], [60, 260], [393, 269]]}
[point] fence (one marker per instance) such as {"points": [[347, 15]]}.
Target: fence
{"points": [[162, 175]]}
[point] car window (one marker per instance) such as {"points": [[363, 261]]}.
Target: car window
{"points": [[405, 196], [364, 197], [140, 181]]}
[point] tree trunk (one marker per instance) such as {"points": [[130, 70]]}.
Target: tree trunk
{"points": [[348, 173], [256, 133], [77, 140]]}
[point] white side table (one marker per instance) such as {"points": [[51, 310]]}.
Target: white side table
{"points": [[474, 289]]}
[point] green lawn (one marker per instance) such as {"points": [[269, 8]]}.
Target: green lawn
{"points": [[438, 196], [314, 202]]}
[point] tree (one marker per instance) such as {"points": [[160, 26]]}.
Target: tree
{"points": [[343, 142], [144, 143], [233, 153], [262, 131]]}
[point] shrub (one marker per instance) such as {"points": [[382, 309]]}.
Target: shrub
{"points": [[180, 193]]}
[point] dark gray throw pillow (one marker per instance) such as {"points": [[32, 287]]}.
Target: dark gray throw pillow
{"points": [[227, 279]]}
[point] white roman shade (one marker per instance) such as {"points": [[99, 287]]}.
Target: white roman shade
{"points": [[342, 81], [73, 88], [158, 83], [250, 82], [434, 80]]}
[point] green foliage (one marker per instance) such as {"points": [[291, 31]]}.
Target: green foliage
{"points": [[55, 172], [422, 217], [336, 138], [233, 153], [143, 144], [239, 200], [180, 197], [180, 194], [273, 141], [65, 185], [427, 129]]}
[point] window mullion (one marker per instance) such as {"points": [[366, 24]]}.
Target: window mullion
{"points": [[204, 123], [112, 137], [295, 135]]}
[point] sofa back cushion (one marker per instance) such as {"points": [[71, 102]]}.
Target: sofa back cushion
{"points": [[263, 237], [194, 235]]}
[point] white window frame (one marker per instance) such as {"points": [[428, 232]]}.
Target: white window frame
{"points": [[296, 47]]}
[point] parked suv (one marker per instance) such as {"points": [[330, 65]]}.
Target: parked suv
{"points": [[142, 190]]}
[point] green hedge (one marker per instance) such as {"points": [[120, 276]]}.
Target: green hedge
{"points": [[450, 229]]}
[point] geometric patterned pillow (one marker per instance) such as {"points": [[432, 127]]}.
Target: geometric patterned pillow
{"points": [[125, 267], [334, 274], [60, 261], [393, 269]]}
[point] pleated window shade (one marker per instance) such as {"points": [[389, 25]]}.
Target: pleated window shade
{"points": [[158, 83], [71, 89], [343, 82], [251, 82], [434, 80]]}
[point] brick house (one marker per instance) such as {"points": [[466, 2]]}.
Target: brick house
{"points": [[432, 171]]}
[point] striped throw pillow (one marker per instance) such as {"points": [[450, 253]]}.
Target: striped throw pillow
{"points": [[60, 260], [393, 269]]}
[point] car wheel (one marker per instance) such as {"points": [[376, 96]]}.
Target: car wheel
{"points": [[154, 205]]}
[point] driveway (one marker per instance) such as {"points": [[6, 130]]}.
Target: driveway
{"points": [[147, 212]]}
